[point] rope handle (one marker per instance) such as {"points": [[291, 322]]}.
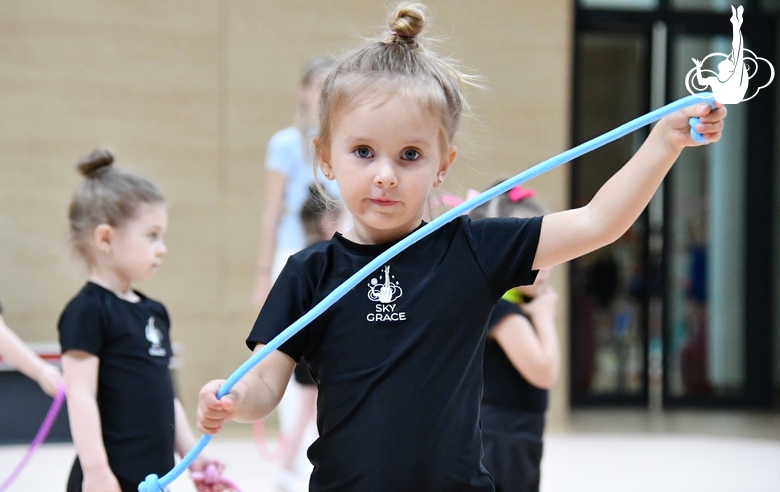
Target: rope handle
{"points": [[155, 484]]}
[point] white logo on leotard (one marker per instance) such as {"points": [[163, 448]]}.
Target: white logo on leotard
{"points": [[385, 291], [155, 337], [730, 84]]}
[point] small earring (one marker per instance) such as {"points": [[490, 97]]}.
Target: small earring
{"points": [[327, 175]]}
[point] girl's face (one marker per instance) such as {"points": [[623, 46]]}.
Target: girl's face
{"points": [[386, 156], [137, 247]]}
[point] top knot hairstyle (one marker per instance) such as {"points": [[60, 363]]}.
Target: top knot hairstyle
{"points": [[106, 196], [393, 64]]}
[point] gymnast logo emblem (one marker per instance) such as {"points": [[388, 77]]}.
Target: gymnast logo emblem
{"points": [[384, 290], [730, 84], [155, 337]]}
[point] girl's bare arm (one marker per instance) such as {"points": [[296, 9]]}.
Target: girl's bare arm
{"points": [[251, 399], [532, 349], [81, 378], [19, 355], [573, 233]]}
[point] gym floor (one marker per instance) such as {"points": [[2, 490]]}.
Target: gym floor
{"points": [[596, 451]]}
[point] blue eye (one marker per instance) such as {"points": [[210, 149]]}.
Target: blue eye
{"points": [[410, 155], [363, 153]]}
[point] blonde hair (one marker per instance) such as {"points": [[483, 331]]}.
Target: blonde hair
{"points": [[313, 68], [106, 196], [395, 64]]}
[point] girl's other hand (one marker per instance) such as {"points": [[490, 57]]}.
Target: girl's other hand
{"points": [[199, 465], [213, 412], [100, 479], [710, 125], [543, 305], [50, 379]]}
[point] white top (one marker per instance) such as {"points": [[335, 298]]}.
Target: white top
{"points": [[285, 154]]}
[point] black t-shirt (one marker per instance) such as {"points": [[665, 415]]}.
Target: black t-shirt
{"points": [[398, 359], [135, 391], [504, 386]]}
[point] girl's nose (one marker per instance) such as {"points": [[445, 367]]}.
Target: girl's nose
{"points": [[162, 250], [385, 174]]}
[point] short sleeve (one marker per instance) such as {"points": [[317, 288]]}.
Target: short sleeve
{"points": [[284, 150], [502, 310], [289, 299], [81, 326], [505, 249]]}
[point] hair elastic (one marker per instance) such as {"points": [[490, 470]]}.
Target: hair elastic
{"points": [[402, 35], [518, 193]]}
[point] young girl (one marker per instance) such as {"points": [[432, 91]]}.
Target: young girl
{"points": [[398, 359], [20, 356], [521, 362], [124, 418], [287, 179]]}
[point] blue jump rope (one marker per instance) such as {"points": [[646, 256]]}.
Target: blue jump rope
{"points": [[155, 484]]}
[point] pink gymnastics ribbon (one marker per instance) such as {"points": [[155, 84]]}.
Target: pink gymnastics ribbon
{"points": [[212, 476], [48, 422]]}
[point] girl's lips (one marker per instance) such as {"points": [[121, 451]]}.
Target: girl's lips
{"points": [[382, 202]]}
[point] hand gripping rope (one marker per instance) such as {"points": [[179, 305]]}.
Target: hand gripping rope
{"points": [[48, 422], [155, 484], [214, 478]]}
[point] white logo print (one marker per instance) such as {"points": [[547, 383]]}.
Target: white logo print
{"points": [[385, 291], [155, 336], [730, 84]]}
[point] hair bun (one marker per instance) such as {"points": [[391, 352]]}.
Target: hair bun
{"points": [[408, 21], [89, 165]]}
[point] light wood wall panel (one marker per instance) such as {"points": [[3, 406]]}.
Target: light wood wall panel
{"points": [[188, 94]]}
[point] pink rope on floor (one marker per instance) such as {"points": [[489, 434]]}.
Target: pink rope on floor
{"points": [[48, 422]]}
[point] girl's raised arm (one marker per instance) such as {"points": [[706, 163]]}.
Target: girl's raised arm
{"points": [[252, 398], [572, 233]]}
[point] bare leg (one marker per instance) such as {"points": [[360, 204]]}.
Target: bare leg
{"points": [[307, 412]]}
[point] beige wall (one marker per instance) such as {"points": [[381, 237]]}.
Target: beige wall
{"points": [[188, 94]]}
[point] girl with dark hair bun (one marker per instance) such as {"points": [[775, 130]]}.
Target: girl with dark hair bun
{"points": [[116, 346]]}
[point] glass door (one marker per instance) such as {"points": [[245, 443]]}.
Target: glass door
{"points": [[705, 232], [682, 310], [609, 309]]}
